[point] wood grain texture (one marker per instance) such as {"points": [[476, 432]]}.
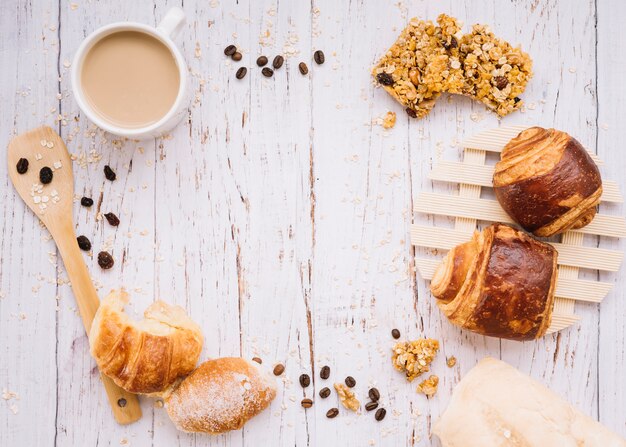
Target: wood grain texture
{"points": [[278, 214]]}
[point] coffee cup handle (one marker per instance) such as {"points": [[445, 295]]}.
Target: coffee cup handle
{"points": [[173, 22]]}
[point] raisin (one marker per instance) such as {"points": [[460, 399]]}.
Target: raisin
{"points": [[105, 260], [500, 82], [412, 113], [84, 243], [45, 175], [22, 166], [385, 79], [112, 219], [86, 201], [109, 173]]}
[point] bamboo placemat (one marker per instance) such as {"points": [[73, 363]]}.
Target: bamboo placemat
{"points": [[467, 208]]}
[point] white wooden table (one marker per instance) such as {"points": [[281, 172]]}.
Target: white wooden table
{"points": [[278, 213]]}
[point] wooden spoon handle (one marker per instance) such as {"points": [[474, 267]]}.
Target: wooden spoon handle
{"points": [[125, 405]]}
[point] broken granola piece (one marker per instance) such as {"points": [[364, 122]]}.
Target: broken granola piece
{"points": [[389, 120], [451, 361], [429, 386], [496, 72], [414, 357], [346, 396]]}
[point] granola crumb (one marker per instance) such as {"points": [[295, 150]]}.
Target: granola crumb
{"points": [[389, 120], [346, 396], [414, 357], [451, 361], [428, 386]]}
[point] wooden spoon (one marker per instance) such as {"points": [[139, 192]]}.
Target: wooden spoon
{"points": [[52, 203]]}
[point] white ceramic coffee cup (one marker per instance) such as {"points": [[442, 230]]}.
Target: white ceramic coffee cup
{"points": [[164, 32]]}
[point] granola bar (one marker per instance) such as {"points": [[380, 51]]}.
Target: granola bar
{"points": [[414, 357], [429, 59], [418, 67], [496, 72]]}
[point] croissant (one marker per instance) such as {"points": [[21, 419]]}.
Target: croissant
{"points": [[150, 356], [501, 284], [547, 182], [221, 395]]}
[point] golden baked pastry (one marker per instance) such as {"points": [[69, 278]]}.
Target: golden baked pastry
{"points": [[496, 405], [221, 395], [547, 182], [149, 356], [501, 284]]}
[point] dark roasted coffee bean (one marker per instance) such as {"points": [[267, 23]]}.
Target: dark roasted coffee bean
{"points": [[112, 219], [261, 61], [267, 72], [380, 414], [305, 380], [350, 381], [237, 56], [121, 402], [385, 79], [45, 175], [105, 260], [278, 62], [395, 333], [83, 243], [500, 82], [412, 113], [22, 166], [258, 360], [325, 372], [241, 73], [371, 406], [307, 403], [325, 392], [333, 412], [303, 68], [319, 58], [230, 50], [279, 369], [108, 173], [86, 201], [374, 394]]}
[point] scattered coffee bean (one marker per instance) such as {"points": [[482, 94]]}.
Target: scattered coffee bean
{"points": [[380, 414], [83, 243], [45, 175], [22, 166], [374, 394], [319, 58], [121, 402], [261, 61], [230, 50], [371, 406], [109, 174], [112, 219], [105, 260], [412, 113], [267, 72], [333, 412], [279, 369], [385, 79], [237, 56], [303, 68], [325, 392], [278, 62], [395, 333], [307, 403], [241, 73], [305, 380], [258, 360], [325, 372], [350, 381], [86, 201]]}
